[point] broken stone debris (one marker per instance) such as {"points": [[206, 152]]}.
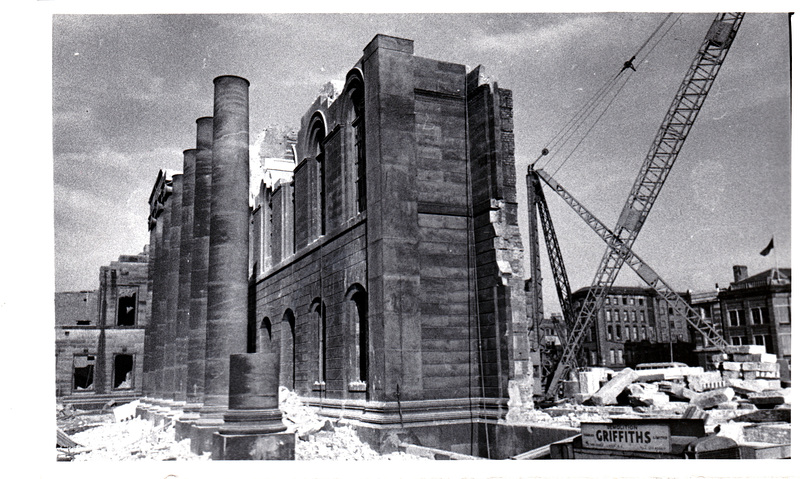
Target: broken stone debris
{"points": [[107, 437], [708, 395], [319, 438]]}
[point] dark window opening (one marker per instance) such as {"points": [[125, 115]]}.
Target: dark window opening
{"points": [[266, 325], [123, 371], [318, 307], [357, 98], [318, 136], [84, 322], [361, 323], [83, 373], [126, 310], [288, 317]]}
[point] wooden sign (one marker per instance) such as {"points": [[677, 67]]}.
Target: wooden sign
{"points": [[627, 436]]}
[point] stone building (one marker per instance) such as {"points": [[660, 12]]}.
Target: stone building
{"points": [[100, 335], [382, 281], [706, 303], [757, 310], [635, 326]]}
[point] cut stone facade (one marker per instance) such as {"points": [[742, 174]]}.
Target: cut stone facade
{"points": [[391, 267], [384, 282]]}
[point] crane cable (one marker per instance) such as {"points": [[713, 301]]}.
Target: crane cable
{"points": [[611, 101], [593, 103], [582, 115], [572, 127]]}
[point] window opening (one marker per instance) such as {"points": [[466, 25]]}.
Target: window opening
{"points": [[126, 310], [288, 317], [83, 372], [123, 371], [319, 154], [322, 337], [266, 326], [735, 317]]}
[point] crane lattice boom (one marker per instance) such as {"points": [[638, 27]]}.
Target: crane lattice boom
{"points": [[662, 154], [638, 265]]}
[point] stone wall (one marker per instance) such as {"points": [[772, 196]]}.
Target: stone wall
{"points": [[437, 250]]}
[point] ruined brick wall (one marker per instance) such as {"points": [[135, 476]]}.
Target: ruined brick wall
{"points": [[499, 249]]}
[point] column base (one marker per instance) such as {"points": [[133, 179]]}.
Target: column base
{"points": [[203, 429], [253, 447], [183, 425]]}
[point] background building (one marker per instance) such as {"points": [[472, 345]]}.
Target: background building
{"points": [[635, 326], [100, 335], [757, 310]]}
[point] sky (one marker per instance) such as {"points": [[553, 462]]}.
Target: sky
{"points": [[127, 89]]}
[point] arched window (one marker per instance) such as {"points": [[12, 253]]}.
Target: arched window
{"points": [[265, 334], [266, 327], [355, 92], [318, 309], [357, 306], [318, 150], [288, 354]]}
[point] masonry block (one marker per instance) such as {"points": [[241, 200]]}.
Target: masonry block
{"points": [[609, 392], [762, 358], [712, 398], [731, 366], [769, 398], [677, 391], [773, 433], [746, 349], [258, 447]]}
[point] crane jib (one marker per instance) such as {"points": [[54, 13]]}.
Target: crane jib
{"points": [[669, 140]]}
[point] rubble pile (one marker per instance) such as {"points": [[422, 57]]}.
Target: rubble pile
{"points": [[71, 420], [743, 399], [132, 440], [322, 439]]}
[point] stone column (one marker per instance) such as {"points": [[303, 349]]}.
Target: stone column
{"points": [[196, 354], [149, 337], [160, 291], [185, 276], [226, 322], [173, 264], [199, 288], [253, 428]]}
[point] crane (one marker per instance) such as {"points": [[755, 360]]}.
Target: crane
{"points": [[639, 266], [537, 202], [671, 136]]}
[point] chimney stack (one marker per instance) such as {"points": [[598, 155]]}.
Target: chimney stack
{"points": [[739, 273]]}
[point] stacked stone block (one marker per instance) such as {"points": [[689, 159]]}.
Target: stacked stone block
{"points": [[749, 363]]}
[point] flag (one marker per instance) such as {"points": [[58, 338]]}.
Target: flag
{"points": [[769, 247]]}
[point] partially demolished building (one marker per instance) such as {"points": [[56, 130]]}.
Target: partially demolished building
{"points": [[383, 283], [377, 272], [100, 335]]}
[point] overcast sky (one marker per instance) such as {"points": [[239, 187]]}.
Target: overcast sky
{"points": [[127, 90]]}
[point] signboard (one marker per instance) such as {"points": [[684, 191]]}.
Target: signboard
{"points": [[647, 437]]}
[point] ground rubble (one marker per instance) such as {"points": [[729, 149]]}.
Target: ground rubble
{"points": [[98, 435], [320, 438], [744, 399]]}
